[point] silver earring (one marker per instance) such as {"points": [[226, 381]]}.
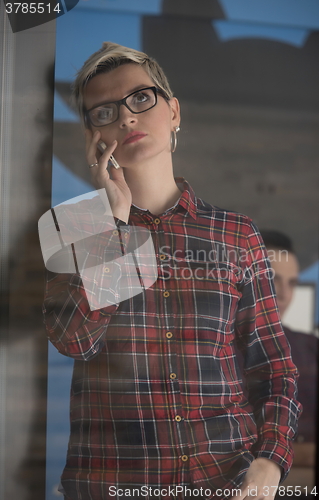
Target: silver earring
{"points": [[174, 139]]}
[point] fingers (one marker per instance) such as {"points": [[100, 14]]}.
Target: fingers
{"points": [[109, 150], [117, 173], [104, 159], [91, 141], [93, 155], [99, 172]]}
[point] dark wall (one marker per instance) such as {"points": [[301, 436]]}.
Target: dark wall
{"points": [[249, 137]]}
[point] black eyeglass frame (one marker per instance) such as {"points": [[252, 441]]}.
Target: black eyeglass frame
{"points": [[118, 103]]}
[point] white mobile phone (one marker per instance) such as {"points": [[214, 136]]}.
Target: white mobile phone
{"points": [[102, 147]]}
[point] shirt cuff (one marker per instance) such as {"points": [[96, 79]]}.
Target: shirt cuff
{"points": [[281, 453]]}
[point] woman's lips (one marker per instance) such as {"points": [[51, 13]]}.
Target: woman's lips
{"points": [[133, 137]]}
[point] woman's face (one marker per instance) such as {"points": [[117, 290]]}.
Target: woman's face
{"points": [[149, 131]]}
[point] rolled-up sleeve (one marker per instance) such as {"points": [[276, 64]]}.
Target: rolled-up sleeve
{"points": [[270, 373], [75, 325]]}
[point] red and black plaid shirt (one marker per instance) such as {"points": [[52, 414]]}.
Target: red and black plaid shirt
{"points": [[157, 398]]}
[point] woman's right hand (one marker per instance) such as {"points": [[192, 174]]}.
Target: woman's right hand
{"points": [[117, 190]]}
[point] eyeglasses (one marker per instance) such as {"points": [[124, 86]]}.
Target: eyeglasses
{"points": [[137, 102]]}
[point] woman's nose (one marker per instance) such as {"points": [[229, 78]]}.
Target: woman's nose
{"points": [[126, 116]]}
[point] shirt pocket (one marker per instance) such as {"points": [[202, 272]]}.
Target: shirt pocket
{"points": [[208, 296]]}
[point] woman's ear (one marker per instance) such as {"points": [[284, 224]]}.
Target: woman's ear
{"points": [[176, 113]]}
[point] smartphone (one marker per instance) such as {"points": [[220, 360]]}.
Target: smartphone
{"points": [[102, 147]]}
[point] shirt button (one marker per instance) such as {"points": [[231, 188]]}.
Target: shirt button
{"points": [[166, 294], [173, 376], [169, 335], [157, 221], [178, 418], [184, 458], [162, 256], [115, 232], [106, 269]]}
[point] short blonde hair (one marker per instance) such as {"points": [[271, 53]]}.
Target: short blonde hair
{"points": [[111, 56]]}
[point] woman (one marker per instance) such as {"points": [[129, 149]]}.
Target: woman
{"points": [[157, 405]]}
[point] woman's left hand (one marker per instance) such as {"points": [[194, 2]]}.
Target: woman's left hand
{"points": [[261, 481]]}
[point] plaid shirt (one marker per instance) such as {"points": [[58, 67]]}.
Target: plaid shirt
{"points": [[157, 400]]}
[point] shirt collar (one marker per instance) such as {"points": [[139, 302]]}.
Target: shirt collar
{"points": [[188, 199]]}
